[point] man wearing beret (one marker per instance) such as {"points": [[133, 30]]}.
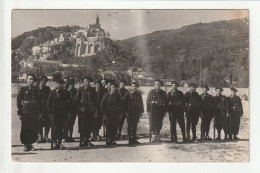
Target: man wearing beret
{"points": [[236, 112], [111, 112], [136, 110], [86, 103], [124, 94], [45, 117], [176, 101], [28, 106], [206, 112], [192, 101], [73, 114], [222, 114], [59, 105], [157, 107]]}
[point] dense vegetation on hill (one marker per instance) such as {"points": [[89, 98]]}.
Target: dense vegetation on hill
{"points": [[219, 47], [222, 46]]}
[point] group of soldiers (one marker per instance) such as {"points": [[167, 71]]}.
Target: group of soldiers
{"points": [[191, 106], [106, 105]]}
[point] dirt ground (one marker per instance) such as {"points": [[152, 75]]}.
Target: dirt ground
{"points": [[231, 151]]}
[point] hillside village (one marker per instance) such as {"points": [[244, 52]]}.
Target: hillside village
{"points": [[182, 54]]}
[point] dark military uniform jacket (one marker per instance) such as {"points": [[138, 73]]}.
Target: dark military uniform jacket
{"points": [[221, 105], [192, 100], [236, 105], [99, 95], [206, 102], [29, 100], [44, 93], [136, 101], [59, 102], [176, 100], [73, 92], [86, 98], [111, 102], [158, 98], [124, 94]]}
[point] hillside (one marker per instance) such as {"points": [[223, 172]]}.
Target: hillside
{"points": [[222, 45]]}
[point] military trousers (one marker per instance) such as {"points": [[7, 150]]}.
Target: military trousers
{"points": [[97, 123], [29, 128], [86, 123], [192, 119], [157, 113], [223, 122], [235, 123], [58, 126], [206, 117], [174, 117], [133, 119], [121, 122], [45, 122], [112, 122]]}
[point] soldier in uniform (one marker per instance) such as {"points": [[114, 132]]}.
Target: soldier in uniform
{"points": [[111, 111], [59, 104], [73, 114], [124, 94], [206, 112], [157, 107], [236, 112], [222, 114], [136, 110], [28, 106], [176, 101], [66, 82], [192, 101], [100, 92], [86, 103], [104, 82], [45, 120]]}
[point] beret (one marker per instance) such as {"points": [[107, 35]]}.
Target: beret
{"points": [[219, 88], [158, 80], [174, 82]]}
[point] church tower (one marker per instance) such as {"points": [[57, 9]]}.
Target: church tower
{"points": [[97, 21]]}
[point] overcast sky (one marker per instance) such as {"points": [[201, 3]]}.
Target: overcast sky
{"points": [[121, 24]]}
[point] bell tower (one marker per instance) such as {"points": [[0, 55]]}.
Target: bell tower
{"points": [[97, 21]]}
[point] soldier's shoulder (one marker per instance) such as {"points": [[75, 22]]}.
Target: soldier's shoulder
{"points": [[179, 91], [164, 92]]}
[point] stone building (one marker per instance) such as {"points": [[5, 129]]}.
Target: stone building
{"points": [[91, 40]]}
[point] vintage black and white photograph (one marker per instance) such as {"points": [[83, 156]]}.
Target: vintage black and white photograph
{"points": [[130, 85]]}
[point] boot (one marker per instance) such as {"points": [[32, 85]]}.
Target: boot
{"points": [[55, 147], [130, 141], [26, 148], [81, 142], [188, 138], [40, 139], [135, 140], [225, 139], [235, 137], [230, 137], [154, 138]]}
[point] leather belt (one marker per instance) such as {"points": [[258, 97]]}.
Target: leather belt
{"points": [[157, 102]]}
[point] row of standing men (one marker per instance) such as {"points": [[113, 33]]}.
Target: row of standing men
{"points": [[39, 106]]}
